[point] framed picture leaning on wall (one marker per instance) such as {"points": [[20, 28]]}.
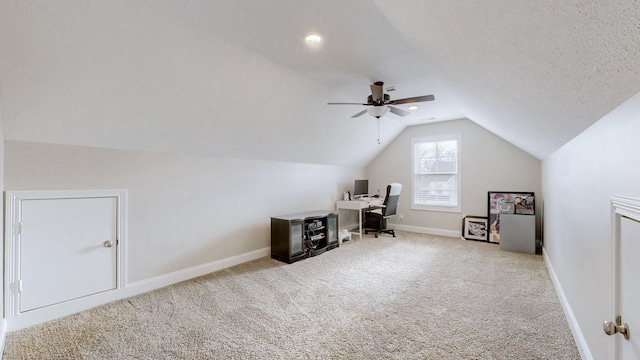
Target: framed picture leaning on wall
{"points": [[507, 202], [475, 228]]}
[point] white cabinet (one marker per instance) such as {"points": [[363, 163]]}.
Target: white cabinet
{"points": [[64, 252]]}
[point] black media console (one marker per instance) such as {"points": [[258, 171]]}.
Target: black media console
{"points": [[298, 236]]}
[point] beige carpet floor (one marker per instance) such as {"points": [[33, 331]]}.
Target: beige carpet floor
{"points": [[411, 297]]}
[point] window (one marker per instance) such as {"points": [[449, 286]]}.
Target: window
{"points": [[436, 173]]}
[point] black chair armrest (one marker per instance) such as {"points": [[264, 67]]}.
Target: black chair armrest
{"points": [[374, 207]]}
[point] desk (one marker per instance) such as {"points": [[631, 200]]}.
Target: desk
{"points": [[359, 205]]}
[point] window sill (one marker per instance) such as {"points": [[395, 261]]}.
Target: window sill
{"points": [[437, 208]]}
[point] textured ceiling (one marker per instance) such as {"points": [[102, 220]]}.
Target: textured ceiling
{"points": [[234, 78], [536, 73]]}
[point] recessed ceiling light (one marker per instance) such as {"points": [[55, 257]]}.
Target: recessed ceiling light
{"points": [[413, 107], [313, 39]]}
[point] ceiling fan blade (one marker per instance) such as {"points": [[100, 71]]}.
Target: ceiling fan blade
{"points": [[359, 114], [376, 91], [412, 100], [335, 103], [398, 112]]}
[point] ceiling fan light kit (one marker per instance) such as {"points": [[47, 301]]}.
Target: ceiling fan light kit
{"points": [[377, 111], [380, 103]]}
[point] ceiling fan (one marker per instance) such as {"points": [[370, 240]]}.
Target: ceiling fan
{"points": [[381, 103]]}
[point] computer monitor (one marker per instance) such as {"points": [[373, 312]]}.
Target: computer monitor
{"points": [[360, 188]]}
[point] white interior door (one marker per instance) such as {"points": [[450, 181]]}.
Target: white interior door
{"points": [[629, 291], [67, 249]]}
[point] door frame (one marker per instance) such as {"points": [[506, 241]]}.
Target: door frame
{"points": [[621, 206], [13, 218]]}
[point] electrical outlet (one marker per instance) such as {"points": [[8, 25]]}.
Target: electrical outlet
{"points": [[401, 215]]}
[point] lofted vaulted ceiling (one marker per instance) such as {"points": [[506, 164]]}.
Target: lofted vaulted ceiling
{"points": [[235, 78]]}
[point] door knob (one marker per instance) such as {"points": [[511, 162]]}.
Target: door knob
{"points": [[108, 243], [611, 328]]}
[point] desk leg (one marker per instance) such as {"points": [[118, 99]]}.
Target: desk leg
{"points": [[360, 222], [360, 230]]}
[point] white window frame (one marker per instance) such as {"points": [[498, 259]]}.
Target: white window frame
{"points": [[458, 173]]}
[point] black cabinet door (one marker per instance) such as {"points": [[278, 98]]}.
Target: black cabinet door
{"points": [[296, 238], [332, 229]]}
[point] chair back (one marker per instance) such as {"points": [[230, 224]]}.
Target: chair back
{"points": [[391, 200]]}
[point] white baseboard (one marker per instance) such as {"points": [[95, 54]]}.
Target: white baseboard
{"points": [[430, 231], [416, 229], [581, 343], [56, 311], [175, 277], [349, 226], [3, 335]]}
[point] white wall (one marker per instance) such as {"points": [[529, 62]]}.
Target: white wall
{"points": [[2, 322], [488, 164], [578, 180], [184, 210], [148, 76]]}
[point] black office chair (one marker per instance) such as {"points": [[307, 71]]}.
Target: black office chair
{"points": [[377, 221]]}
